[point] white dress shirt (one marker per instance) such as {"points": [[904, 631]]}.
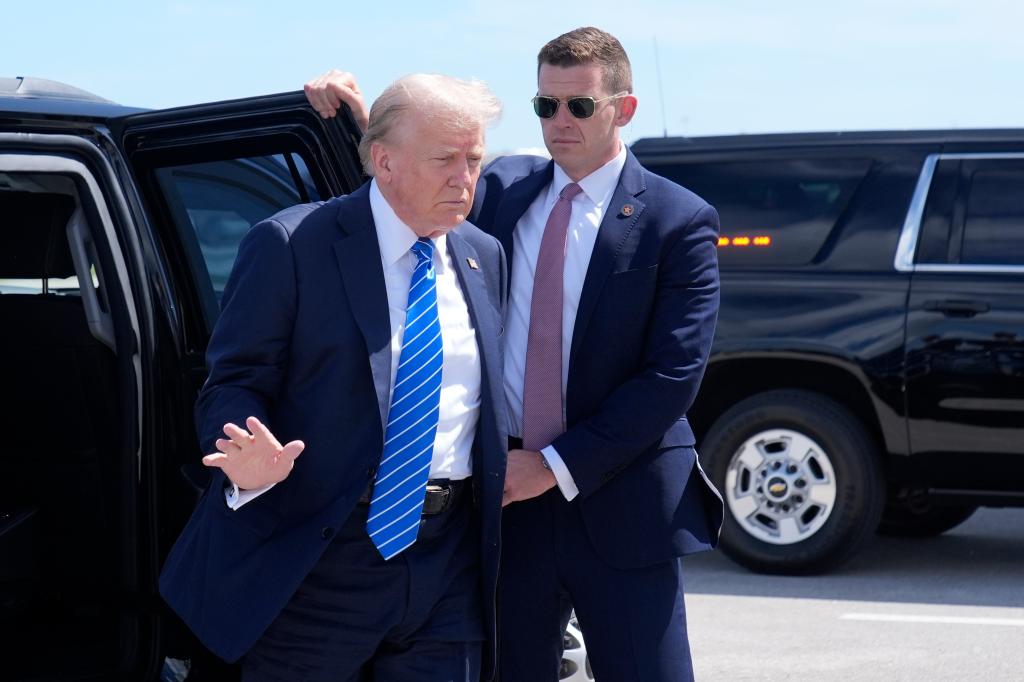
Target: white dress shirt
{"points": [[588, 209], [460, 373]]}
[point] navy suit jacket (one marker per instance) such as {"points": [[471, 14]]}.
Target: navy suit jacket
{"points": [[304, 344], [640, 344]]}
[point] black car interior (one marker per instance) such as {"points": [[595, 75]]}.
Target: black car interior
{"points": [[60, 518]]}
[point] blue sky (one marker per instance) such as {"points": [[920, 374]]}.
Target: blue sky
{"points": [[727, 66]]}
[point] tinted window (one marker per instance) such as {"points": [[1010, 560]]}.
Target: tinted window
{"points": [[934, 241], [34, 254], [994, 214], [63, 286], [214, 204], [774, 212]]}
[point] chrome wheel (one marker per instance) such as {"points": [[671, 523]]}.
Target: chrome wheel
{"points": [[780, 486], [575, 662]]}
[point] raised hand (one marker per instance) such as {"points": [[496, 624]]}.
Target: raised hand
{"points": [[326, 93], [254, 458]]}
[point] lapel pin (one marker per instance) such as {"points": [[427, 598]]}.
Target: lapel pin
{"points": [[627, 210], [472, 264]]}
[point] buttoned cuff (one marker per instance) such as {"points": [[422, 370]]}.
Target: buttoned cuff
{"points": [[561, 472], [236, 497]]}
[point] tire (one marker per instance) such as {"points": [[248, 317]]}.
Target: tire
{"points": [[801, 480], [917, 517]]}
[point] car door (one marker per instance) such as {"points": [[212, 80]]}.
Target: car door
{"points": [[69, 357], [965, 324], [202, 176]]}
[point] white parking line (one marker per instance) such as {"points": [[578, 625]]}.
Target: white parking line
{"points": [[947, 620]]}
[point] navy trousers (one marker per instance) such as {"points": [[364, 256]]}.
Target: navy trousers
{"points": [[633, 621], [356, 617]]}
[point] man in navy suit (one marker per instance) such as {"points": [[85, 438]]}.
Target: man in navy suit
{"points": [[607, 493], [367, 326]]}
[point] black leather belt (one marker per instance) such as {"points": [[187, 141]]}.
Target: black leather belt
{"points": [[515, 443], [442, 494]]}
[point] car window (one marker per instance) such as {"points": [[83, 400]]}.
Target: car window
{"points": [[934, 243], [61, 286], [28, 266], [214, 203], [994, 215], [777, 212]]}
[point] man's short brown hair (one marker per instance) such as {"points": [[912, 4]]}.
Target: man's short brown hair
{"points": [[589, 45]]}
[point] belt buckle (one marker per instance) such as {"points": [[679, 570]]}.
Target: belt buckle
{"points": [[435, 492]]}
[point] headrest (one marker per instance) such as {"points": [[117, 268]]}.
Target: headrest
{"points": [[33, 238]]}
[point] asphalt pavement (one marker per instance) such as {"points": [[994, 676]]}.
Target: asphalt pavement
{"points": [[943, 608]]}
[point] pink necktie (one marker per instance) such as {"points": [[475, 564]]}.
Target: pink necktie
{"points": [[542, 390]]}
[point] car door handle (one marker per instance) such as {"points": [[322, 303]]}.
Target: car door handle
{"points": [[957, 308]]}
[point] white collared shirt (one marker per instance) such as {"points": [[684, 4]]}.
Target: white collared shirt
{"points": [[588, 209], [460, 373]]}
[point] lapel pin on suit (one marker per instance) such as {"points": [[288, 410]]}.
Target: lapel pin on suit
{"points": [[627, 210], [472, 264]]}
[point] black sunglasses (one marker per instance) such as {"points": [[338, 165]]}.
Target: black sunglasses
{"points": [[580, 107]]}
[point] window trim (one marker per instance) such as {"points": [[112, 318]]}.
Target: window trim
{"points": [[907, 246], [15, 162]]}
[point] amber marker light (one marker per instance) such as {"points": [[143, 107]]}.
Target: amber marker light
{"points": [[759, 240]]}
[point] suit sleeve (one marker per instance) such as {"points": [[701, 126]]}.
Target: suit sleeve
{"points": [[248, 351], [636, 415]]}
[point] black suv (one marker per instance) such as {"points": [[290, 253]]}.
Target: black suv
{"points": [[868, 370], [118, 228]]}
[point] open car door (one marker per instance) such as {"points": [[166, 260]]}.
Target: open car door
{"points": [[203, 175]]}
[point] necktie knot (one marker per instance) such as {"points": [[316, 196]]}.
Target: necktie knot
{"points": [[570, 191], [423, 249]]}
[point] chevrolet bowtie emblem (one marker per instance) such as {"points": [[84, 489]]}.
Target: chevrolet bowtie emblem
{"points": [[627, 210], [472, 264]]}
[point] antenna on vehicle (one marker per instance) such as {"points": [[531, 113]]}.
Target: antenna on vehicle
{"points": [[661, 92]]}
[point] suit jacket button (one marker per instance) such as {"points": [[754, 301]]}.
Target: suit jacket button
{"points": [[327, 532]]}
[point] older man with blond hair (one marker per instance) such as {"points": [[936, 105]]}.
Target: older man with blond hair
{"points": [[362, 333]]}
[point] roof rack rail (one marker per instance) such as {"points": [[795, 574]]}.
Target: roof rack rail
{"points": [[42, 88]]}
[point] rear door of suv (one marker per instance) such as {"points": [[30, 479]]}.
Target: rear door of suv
{"points": [[965, 322]]}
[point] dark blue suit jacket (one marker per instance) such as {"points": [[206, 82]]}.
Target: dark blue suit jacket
{"points": [[640, 344], [304, 344]]}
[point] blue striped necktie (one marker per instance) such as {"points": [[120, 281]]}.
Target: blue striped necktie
{"points": [[401, 482]]}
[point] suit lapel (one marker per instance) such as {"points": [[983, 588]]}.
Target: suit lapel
{"points": [[481, 312], [358, 255], [615, 227], [514, 203]]}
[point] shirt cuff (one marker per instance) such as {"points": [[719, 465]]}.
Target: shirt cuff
{"points": [[561, 472], [236, 497]]}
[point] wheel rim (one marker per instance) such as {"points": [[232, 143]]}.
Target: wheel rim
{"points": [[575, 665], [780, 486]]}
